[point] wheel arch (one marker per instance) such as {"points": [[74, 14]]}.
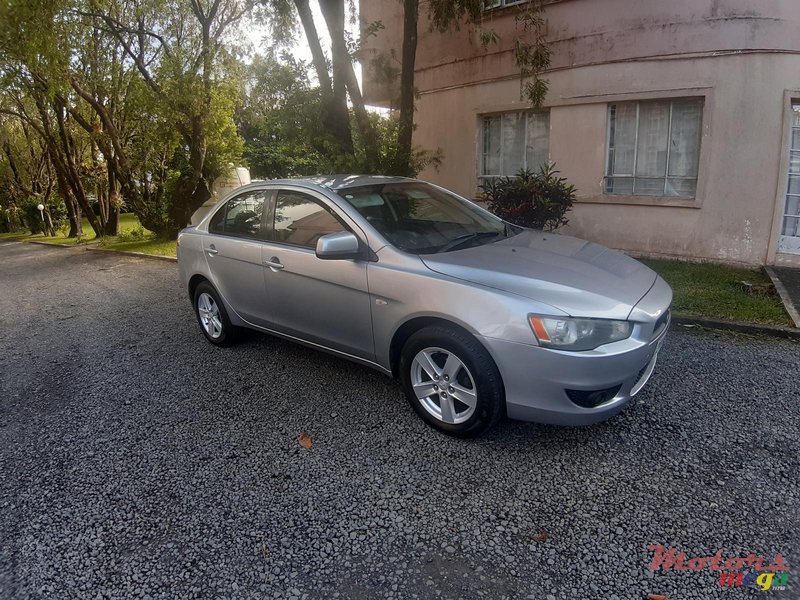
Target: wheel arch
{"points": [[409, 328], [194, 281]]}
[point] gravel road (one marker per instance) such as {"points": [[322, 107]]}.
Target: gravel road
{"points": [[138, 461]]}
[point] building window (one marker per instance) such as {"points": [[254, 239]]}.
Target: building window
{"points": [[514, 141], [489, 4], [654, 147]]}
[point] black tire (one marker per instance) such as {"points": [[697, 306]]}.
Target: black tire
{"points": [[490, 401], [229, 333]]}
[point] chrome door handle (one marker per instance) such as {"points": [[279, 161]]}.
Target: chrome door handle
{"points": [[273, 263], [212, 251]]}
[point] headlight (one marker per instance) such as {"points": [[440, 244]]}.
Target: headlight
{"points": [[566, 333]]}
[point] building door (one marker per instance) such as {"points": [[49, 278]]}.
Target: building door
{"points": [[790, 228]]}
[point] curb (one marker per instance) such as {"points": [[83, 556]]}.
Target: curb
{"points": [[136, 254], [788, 333], [67, 246], [784, 294]]}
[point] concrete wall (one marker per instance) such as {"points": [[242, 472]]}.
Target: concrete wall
{"points": [[742, 57], [584, 32]]}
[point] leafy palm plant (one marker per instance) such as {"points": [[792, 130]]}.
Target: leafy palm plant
{"points": [[531, 199]]}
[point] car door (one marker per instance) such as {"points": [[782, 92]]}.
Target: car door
{"points": [[321, 301], [233, 249]]}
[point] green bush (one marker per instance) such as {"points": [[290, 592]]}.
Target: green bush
{"points": [[33, 218], [133, 235], [538, 200]]}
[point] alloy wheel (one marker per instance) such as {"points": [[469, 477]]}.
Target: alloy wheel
{"points": [[210, 319], [443, 385]]}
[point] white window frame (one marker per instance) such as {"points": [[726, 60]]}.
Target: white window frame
{"points": [[484, 130], [489, 5], [633, 177]]}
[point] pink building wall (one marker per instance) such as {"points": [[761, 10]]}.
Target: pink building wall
{"points": [[741, 57]]}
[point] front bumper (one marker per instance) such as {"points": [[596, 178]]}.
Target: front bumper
{"points": [[536, 378]]}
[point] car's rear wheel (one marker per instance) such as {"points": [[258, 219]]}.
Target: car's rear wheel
{"points": [[451, 381], [212, 316]]}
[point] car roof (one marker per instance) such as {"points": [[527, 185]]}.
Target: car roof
{"points": [[340, 182]]}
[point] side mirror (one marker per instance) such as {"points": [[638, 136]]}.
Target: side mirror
{"points": [[338, 246]]}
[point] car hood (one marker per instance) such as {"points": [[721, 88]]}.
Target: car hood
{"points": [[575, 276]]}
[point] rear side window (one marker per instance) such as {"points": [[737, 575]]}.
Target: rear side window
{"points": [[301, 220], [241, 216]]}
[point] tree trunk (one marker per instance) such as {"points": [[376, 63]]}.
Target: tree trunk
{"points": [[74, 216], [365, 129], [333, 11], [49, 230], [193, 190], [406, 124], [73, 211], [112, 225], [312, 37], [337, 113], [64, 161], [335, 116], [113, 152], [112, 216]]}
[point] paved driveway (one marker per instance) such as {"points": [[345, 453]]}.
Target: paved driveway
{"points": [[136, 460]]}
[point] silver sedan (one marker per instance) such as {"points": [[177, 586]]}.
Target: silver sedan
{"points": [[477, 317]]}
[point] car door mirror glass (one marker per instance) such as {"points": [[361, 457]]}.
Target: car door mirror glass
{"points": [[338, 246]]}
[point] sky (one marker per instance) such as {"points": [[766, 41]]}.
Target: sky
{"points": [[259, 35]]}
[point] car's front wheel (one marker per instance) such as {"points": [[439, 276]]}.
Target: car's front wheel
{"points": [[451, 381], [212, 316]]}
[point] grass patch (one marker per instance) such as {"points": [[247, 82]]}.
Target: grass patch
{"points": [[127, 222], [132, 238], [13, 236], [714, 291], [149, 245], [62, 241]]}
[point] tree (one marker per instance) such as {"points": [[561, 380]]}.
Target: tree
{"points": [[278, 118], [30, 67], [337, 78], [133, 100], [333, 11], [178, 49], [26, 179], [335, 114], [531, 55]]}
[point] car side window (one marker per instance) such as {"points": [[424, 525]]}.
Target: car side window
{"points": [[301, 220], [241, 216]]}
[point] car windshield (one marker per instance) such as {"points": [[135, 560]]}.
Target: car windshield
{"points": [[419, 218]]}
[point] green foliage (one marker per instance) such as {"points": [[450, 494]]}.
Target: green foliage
{"points": [[448, 14], [488, 37], [9, 219], [531, 52], [33, 218], [134, 234], [278, 118], [284, 136], [532, 57], [539, 200]]}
